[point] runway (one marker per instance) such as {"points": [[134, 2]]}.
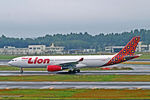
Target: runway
{"points": [[74, 85], [109, 72], [4, 62]]}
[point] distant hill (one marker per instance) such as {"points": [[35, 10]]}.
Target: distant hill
{"points": [[79, 41]]}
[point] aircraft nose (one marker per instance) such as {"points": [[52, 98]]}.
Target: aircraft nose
{"points": [[10, 63]]}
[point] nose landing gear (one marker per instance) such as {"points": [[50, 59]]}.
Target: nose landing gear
{"points": [[21, 70]]}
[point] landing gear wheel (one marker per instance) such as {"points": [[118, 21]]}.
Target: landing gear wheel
{"points": [[74, 71], [70, 71], [78, 70]]}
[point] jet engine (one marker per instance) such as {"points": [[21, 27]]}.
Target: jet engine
{"points": [[53, 68]]}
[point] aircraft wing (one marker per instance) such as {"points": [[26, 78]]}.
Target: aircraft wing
{"points": [[70, 64]]}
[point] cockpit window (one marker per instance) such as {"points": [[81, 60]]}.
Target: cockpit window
{"points": [[13, 60]]}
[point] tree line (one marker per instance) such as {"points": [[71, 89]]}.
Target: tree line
{"points": [[78, 40]]}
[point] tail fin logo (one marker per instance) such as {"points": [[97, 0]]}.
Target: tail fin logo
{"points": [[128, 50]]}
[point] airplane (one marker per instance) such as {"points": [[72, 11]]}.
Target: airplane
{"points": [[74, 63]]}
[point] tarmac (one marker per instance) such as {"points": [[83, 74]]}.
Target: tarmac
{"points": [[74, 85], [108, 72]]}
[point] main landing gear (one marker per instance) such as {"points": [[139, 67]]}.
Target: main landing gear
{"points": [[21, 70], [74, 71]]}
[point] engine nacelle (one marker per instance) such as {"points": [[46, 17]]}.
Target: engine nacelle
{"points": [[53, 68]]}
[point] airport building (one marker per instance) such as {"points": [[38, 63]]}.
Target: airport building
{"points": [[32, 50], [113, 48], [43, 50], [140, 48], [81, 51], [9, 50], [54, 49]]}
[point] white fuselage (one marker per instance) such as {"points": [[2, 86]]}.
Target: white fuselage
{"points": [[44, 61]]}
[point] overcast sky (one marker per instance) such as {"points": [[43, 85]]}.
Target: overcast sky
{"points": [[20, 18]]}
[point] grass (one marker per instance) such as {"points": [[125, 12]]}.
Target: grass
{"points": [[10, 68], [137, 62], [78, 78], [73, 94], [5, 57], [144, 56]]}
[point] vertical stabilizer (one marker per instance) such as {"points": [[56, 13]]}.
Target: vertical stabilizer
{"points": [[130, 48], [126, 53]]}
